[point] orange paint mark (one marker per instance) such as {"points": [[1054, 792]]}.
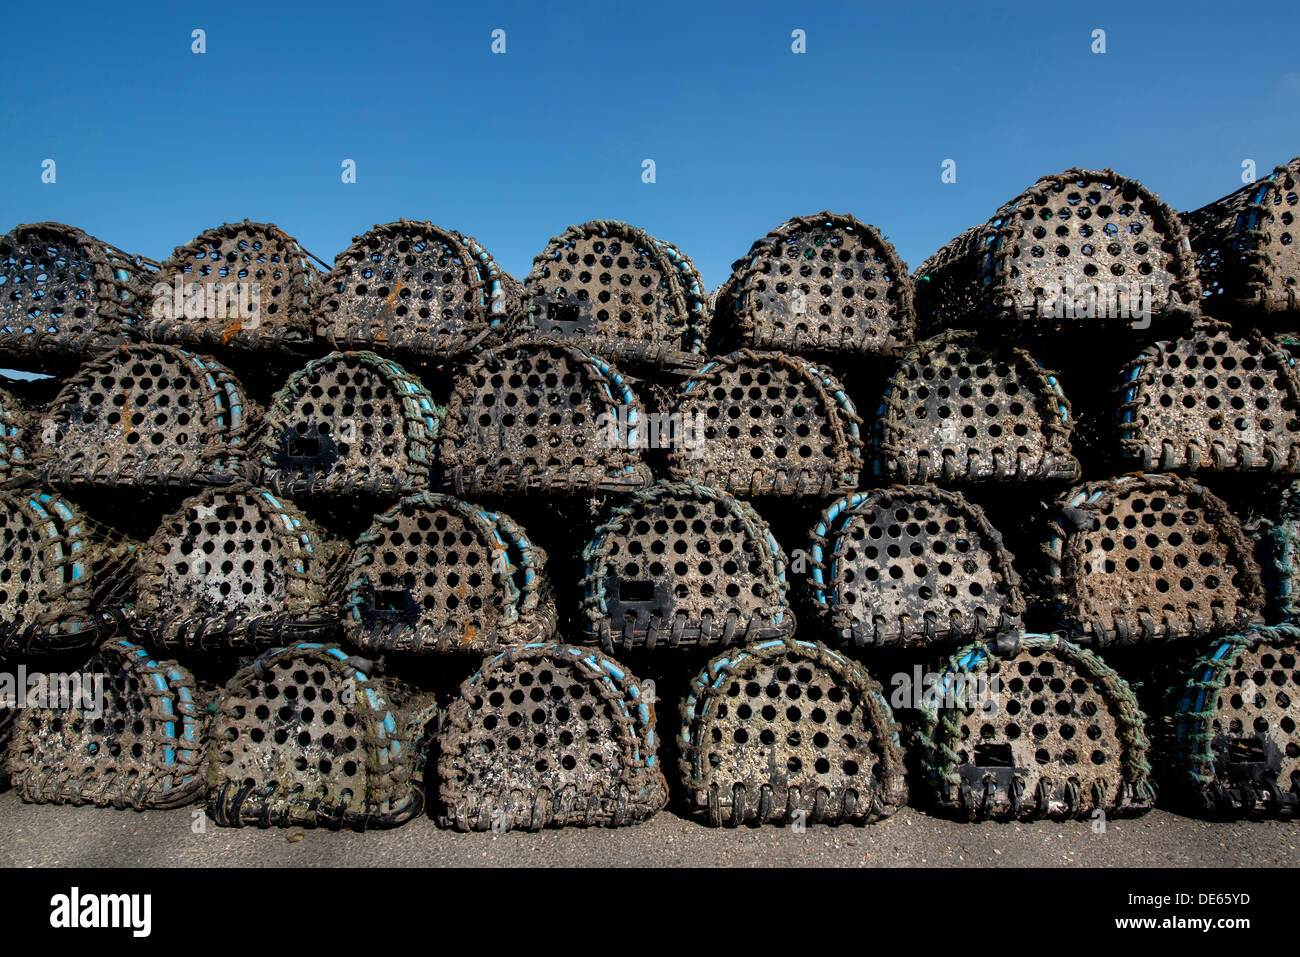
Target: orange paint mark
{"points": [[127, 429], [392, 296]]}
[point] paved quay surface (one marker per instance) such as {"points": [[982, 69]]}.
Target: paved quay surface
{"points": [[48, 836]]}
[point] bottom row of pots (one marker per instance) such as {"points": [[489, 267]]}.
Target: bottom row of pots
{"points": [[548, 734]]}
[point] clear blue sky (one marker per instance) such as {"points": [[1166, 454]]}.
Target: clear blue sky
{"points": [[153, 143]]}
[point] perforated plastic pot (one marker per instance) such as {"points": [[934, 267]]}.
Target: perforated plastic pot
{"points": [[683, 564], [1235, 729], [542, 414], [350, 422], [145, 415], [309, 737], [241, 285], [549, 735], [435, 574], [1150, 558], [1280, 552], [911, 565], [697, 296], [511, 297], [823, 283], [1245, 245], [235, 568], [761, 423], [789, 730], [14, 438], [620, 293], [63, 292], [47, 574], [1032, 727], [1212, 400], [129, 732], [720, 302], [1069, 238], [414, 287], [959, 410]]}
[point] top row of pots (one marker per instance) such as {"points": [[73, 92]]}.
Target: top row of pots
{"points": [[1079, 244]]}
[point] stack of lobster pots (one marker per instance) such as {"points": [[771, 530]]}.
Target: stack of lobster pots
{"points": [[343, 545]]}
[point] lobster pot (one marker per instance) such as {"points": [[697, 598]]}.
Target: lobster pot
{"points": [[1288, 342], [1079, 249], [1280, 549], [234, 568], [1238, 751], [1150, 558], [435, 574], [1030, 727], [720, 303], [762, 423], [350, 422], [541, 414], [549, 735], [511, 295], [307, 736], [683, 564], [145, 415], [620, 293], [697, 295], [47, 574], [1214, 401], [822, 283], [14, 440], [414, 288], [242, 286], [64, 293], [911, 565], [957, 410], [789, 731], [1244, 245], [127, 731]]}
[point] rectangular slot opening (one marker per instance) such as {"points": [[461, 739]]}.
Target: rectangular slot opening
{"points": [[390, 600], [304, 446], [633, 592], [560, 313], [993, 756], [1246, 751]]}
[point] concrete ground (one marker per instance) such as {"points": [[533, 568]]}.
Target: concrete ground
{"points": [[47, 836]]}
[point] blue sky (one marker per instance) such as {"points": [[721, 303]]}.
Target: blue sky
{"points": [[154, 143]]}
